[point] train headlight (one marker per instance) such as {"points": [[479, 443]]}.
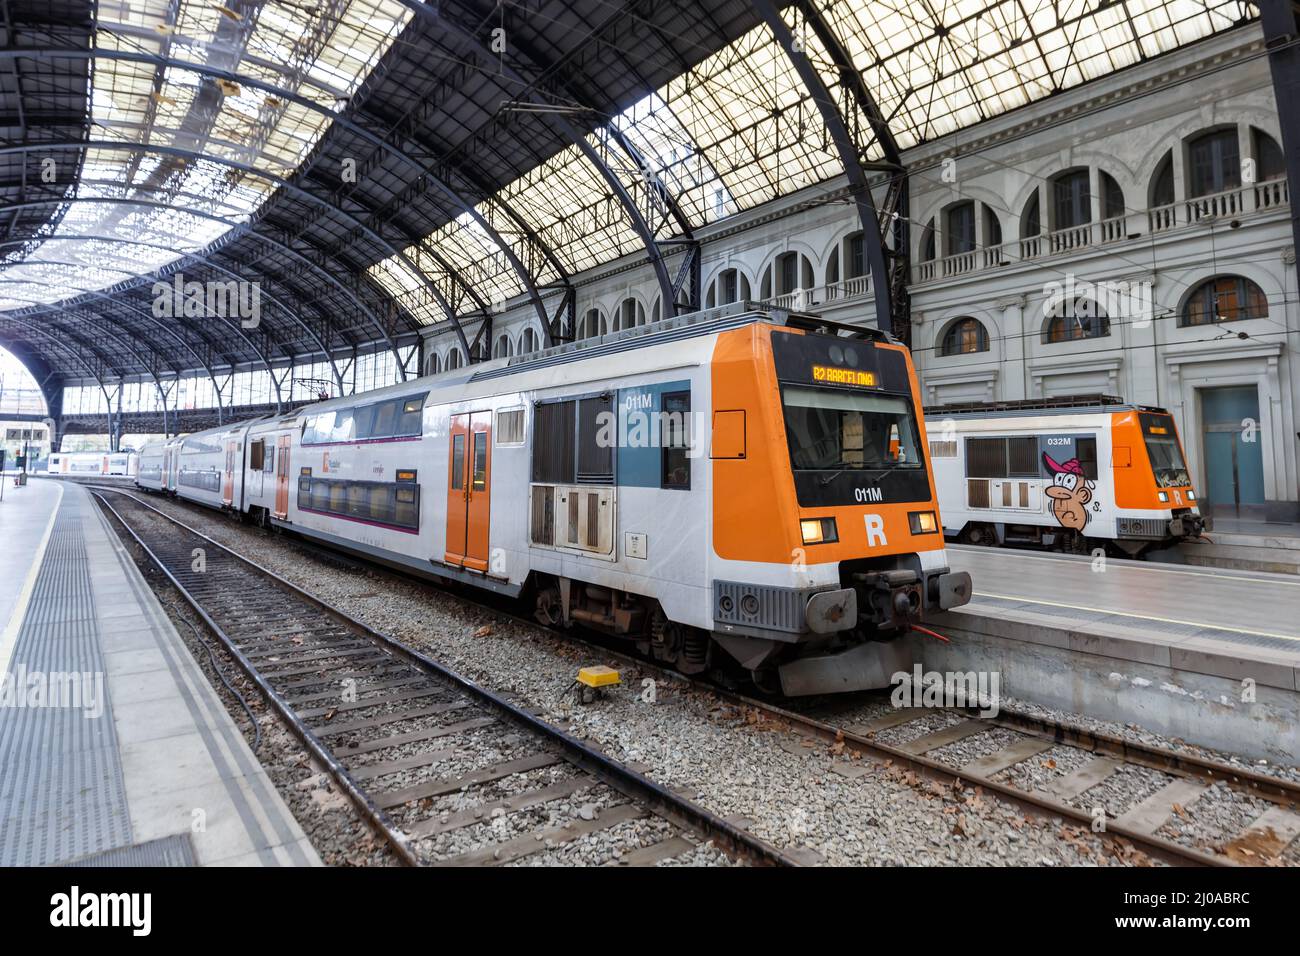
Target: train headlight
{"points": [[818, 530], [1191, 495], [1162, 495], [923, 522]]}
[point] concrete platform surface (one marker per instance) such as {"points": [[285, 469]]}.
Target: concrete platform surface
{"points": [[113, 746]]}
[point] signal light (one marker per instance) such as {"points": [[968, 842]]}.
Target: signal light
{"points": [[923, 522], [818, 530]]}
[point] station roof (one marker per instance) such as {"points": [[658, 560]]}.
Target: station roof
{"points": [[379, 166]]}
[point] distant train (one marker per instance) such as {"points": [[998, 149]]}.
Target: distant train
{"points": [[732, 489], [1068, 473], [122, 464]]}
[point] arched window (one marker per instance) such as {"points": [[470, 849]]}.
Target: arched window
{"points": [[1031, 220], [528, 341], [959, 228], [728, 286], [1270, 163], [591, 324], [927, 242], [455, 358], [992, 227], [1082, 318], [432, 366], [479, 352], [1224, 299], [789, 272], [656, 311], [1112, 197], [502, 347], [964, 337], [1213, 162], [631, 313], [1071, 199], [1162, 184]]}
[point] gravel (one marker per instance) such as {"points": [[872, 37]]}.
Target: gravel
{"points": [[1214, 818], [737, 762]]}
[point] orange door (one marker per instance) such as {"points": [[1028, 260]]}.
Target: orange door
{"points": [[228, 485], [281, 477], [469, 483]]}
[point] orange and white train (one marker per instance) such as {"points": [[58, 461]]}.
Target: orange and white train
{"points": [[1068, 473], [733, 489]]}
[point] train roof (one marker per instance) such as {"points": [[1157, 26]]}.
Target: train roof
{"points": [[1060, 405], [673, 329]]}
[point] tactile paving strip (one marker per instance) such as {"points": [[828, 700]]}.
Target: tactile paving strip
{"points": [[61, 790], [168, 851]]}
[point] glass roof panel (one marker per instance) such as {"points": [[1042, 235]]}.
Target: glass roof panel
{"points": [[321, 52]]}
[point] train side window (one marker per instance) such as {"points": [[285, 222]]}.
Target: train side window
{"points": [[986, 457], [595, 458], [364, 421], [342, 430], [480, 460], [457, 462], [1086, 449], [553, 437], [1022, 456], [675, 440], [268, 464], [412, 420], [257, 455], [510, 426], [386, 415]]}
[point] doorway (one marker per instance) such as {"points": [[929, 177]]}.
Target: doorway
{"points": [[1234, 456]]}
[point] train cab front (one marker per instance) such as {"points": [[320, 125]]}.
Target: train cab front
{"points": [[1156, 504], [852, 556]]}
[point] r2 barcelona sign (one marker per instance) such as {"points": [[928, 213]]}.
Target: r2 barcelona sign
{"points": [[843, 376]]}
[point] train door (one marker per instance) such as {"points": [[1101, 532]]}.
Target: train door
{"points": [[253, 474], [469, 483], [282, 477], [228, 484]]}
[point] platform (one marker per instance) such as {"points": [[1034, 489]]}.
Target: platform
{"points": [[1207, 654], [114, 749]]}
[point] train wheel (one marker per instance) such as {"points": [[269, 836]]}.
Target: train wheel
{"points": [[548, 610], [975, 534]]}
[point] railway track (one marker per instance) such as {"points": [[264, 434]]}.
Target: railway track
{"points": [[426, 755], [1261, 840]]}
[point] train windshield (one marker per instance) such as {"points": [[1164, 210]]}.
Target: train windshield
{"points": [[1162, 448], [837, 430]]}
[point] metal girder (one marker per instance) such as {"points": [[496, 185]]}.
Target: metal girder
{"points": [[579, 139], [209, 262], [335, 118], [149, 318], [281, 183], [258, 236], [1281, 22], [849, 157]]}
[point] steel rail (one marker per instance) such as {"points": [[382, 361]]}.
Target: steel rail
{"points": [[665, 802], [1274, 789]]}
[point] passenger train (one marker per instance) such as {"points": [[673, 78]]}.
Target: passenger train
{"points": [[123, 464], [736, 489], [1070, 474]]}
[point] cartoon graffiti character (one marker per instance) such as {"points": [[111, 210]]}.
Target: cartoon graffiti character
{"points": [[1070, 492]]}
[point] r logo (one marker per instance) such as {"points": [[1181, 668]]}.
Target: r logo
{"points": [[876, 531]]}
